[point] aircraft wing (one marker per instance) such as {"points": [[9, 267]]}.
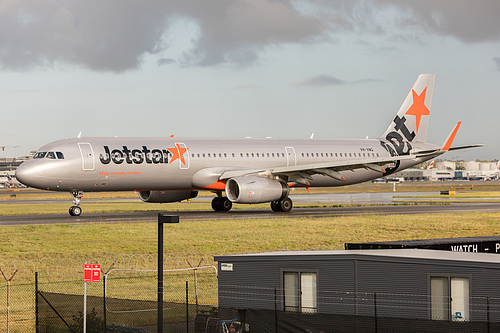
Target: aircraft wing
{"points": [[300, 173]]}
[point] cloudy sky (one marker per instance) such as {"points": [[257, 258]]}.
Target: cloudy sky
{"points": [[233, 68]]}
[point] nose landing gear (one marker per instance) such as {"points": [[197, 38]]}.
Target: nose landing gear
{"points": [[75, 210]]}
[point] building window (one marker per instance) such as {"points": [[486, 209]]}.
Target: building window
{"points": [[300, 292], [450, 298]]}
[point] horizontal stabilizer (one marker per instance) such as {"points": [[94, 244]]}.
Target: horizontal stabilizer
{"points": [[466, 147]]}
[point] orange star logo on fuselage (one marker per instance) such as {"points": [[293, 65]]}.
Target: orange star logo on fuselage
{"points": [[418, 108], [177, 153]]}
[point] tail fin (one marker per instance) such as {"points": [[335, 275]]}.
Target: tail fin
{"points": [[413, 116]]}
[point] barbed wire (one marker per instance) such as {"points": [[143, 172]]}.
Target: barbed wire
{"points": [[65, 268]]}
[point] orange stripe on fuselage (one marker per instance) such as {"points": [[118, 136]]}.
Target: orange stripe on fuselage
{"points": [[219, 185]]}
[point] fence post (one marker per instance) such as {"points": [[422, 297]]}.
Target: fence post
{"points": [[104, 285], [488, 313], [375, 305], [36, 303], [160, 274], [187, 308], [104, 302], [8, 295], [275, 310]]}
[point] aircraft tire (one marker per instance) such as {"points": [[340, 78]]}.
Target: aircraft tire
{"points": [[286, 205], [75, 211], [275, 206], [225, 204], [216, 204]]}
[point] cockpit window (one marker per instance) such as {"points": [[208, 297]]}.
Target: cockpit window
{"points": [[40, 154], [51, 155]]}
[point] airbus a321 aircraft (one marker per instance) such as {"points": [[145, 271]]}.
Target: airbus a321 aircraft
{"points": [[248, 170]]}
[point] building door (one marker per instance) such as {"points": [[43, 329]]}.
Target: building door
{"points": [[459, 299], [88, 162]]}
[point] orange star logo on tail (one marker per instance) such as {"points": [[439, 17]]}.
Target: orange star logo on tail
{"points": [[177, 153], [418, 108]]}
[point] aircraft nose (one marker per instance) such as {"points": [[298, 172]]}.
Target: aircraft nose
{"points": [[24, 173]]}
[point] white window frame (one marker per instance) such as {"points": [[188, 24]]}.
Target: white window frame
{"points": [[304, 298], [453, 302]]}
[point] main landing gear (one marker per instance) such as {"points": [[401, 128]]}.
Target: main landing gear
{"points": [[221, 204], [75, 210], [284, 205]]}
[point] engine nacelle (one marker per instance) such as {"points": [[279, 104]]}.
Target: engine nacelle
{"points": [[167, 196], [252, 190]]}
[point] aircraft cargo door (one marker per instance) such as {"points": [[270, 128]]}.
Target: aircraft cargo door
{"points": [[88, 162]]}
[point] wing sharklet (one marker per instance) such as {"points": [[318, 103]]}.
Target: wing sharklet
{"points": [[449, 140]]}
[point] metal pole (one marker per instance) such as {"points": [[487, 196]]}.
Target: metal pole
{"points": [[162, 219], [8, 305], [105, 285], [187, 308], [104, 302], [160, 274], [85, 307], [36, 303]]}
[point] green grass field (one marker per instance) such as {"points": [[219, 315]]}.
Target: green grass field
{"points": [[222, 236]]}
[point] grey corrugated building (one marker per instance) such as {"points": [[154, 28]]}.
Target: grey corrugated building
{"points": [[403, 283]]}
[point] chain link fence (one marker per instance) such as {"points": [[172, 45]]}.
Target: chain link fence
{"points": [[334, 311], [132, 279]]}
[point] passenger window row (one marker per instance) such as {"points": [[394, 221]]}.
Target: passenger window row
{"points": [[225, 155]]}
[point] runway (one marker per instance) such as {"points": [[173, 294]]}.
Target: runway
{"points": [[237, 214]]}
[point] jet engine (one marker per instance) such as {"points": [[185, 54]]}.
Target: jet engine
{"points": [[167, 196], [252, 190]]}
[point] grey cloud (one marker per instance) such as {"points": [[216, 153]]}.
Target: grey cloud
{"points": [[103, 35], [320, 81], [329, 80], [469, 21], [497, 62], [165, 61], [115, 35]]}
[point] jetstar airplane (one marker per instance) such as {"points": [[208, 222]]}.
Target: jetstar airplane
{"points": [[248, 170]]}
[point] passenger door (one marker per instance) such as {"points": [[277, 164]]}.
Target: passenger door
{"points": [[88, 161]]}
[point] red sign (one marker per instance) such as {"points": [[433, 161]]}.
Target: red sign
{"points": [[96, 273], [91, 273], [87, 273]]}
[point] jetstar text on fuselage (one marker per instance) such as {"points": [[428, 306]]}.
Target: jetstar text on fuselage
{"points": [[136, 156]]}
